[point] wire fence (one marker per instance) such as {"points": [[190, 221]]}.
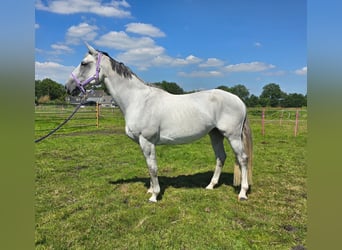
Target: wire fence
{"points": [[92, 118], [88, 118], [292, 120]]}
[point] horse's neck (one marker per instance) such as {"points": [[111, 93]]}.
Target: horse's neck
{"points": [[125, 91]]}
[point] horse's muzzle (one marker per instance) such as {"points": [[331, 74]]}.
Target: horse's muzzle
{"points": [[73, 92]]}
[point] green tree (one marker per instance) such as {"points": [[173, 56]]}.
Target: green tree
{"points": [[264, 102], [294, 100], [223, 87], [252, 101], [241, 91], [271, 95], [170, 87], [48, 87]]}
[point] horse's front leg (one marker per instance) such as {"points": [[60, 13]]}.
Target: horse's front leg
{"points": [[149, 152]]}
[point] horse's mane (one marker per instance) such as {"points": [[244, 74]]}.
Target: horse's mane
{"points": [[124, 70], [119, 67]]}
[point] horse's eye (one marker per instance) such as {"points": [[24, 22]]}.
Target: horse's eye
{"points": [[84, 63]]}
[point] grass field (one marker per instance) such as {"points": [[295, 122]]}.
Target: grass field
{"points": [[91, 188]]}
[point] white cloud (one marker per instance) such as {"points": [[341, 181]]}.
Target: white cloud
{"points": [[162, 60], [302, 71], [257, 44], [111, 9], [56, 50], [191, 59], [142, 52], [212, 62], [144, 29], [201, 74], [52, 70], [249, 67], [36, 26], [275, 73], [143, 58], [61, 48], [121, 41], [81, 32]]}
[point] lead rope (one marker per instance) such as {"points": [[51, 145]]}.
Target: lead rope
{"points": [[83, 102]]}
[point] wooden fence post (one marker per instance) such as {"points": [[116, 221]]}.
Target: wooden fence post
{"points": [[97, 114], [281, 117], [296, 123], [263, 122]]}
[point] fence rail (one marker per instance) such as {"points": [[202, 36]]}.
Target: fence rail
{"points": [[86, 119], [89, 118], [294, 119]]}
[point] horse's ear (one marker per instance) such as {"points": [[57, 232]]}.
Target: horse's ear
{"points": [[91, 50]]}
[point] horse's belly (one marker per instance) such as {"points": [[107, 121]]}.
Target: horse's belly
{"points": [[182, 135], [185, 125], [178, 140]]}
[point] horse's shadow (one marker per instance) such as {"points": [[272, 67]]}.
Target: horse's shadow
{"points": [[198, 180]]}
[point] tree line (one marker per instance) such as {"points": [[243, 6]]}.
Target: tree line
{"points": [[271, 96], [49, 91]]}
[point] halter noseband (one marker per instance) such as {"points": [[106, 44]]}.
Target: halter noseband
{"points": [[81, 85]]}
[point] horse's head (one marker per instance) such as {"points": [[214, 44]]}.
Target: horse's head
{"points": [[87, 72]]}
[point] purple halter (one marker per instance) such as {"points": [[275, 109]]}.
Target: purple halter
{"points": [[81, 85]]}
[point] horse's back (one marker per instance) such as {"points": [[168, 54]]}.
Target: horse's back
{"points": [[221, 103]]}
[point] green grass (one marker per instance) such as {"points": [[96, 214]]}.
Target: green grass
{"points": [[91, 188]]}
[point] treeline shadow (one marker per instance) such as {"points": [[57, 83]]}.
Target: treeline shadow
{"points": [[198, 180]]}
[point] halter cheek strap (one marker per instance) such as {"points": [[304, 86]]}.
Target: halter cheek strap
{"points": [[81, 85]]}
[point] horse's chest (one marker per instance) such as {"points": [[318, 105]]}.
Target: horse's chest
{"points": [[134, 135], [150, 133]]}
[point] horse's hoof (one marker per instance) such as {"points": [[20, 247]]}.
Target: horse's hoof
{"points": [[242, 198], [209, 187], [153, 199]]}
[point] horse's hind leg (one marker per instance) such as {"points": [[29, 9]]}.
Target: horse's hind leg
{"points": [[217, 143], [241, 157], [149, 152]]}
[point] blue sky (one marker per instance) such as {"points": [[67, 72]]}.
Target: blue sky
{"points": [[197, 44]]}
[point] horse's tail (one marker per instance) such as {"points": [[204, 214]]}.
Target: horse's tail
{"points": [[248, 145]]}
